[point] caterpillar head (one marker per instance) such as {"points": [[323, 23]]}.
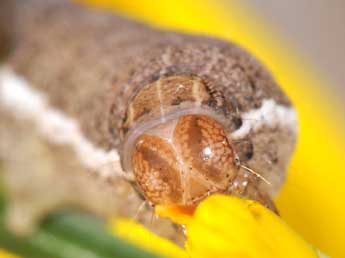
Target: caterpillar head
{"points": [[193, 160], [177, 146]]}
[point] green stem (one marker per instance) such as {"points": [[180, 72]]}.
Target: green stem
{"points": [[83, 229]]}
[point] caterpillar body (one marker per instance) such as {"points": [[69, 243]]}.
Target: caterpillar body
{"points": [[186, 116]]}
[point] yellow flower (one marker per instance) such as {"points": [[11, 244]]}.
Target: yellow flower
{"points": [[6, 254], [139, 235], [224, 226]]}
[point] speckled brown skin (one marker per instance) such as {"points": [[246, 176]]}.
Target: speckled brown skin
{"points": [[5, 29], [100, 60], [91, 63]]}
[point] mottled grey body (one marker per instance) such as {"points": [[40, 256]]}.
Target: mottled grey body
{"points": [[91, 64]]}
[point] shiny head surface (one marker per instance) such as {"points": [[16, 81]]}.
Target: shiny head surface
{"points": [[194, 160]]}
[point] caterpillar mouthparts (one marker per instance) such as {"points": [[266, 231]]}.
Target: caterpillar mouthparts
{"points": [[178, 148]]}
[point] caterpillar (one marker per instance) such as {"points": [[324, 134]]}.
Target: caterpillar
{"points": [[177, 116]]}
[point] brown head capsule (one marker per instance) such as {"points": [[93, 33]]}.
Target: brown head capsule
{"points": [[157, 170], [178, 147], [196, 161], [206, 154]]}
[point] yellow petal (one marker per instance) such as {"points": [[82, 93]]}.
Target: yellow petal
{"points": [[6, 254], [225, 226], [139, 235]]}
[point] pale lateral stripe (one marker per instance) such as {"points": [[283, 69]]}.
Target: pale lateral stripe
{"points": [[24, 102], [270, 114]]}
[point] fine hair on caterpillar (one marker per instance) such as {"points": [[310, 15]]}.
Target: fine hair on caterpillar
{"points": [[255, 173]]}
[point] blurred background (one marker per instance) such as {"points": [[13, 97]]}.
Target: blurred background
{"points": [[316, 28]]}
